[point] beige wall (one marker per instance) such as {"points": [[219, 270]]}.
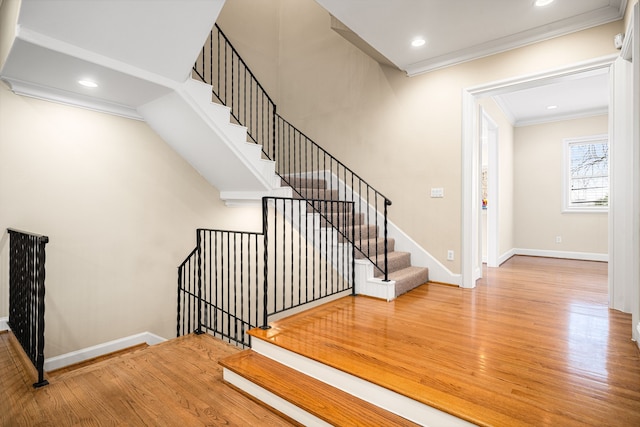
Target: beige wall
{"points": [[120, 208], [401, 134], [538, 190], [263, 26]]}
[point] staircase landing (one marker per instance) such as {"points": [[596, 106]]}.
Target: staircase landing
{"points": [[175, 383]]}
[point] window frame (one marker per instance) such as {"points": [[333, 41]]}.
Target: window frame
{"points": [[567, 206]]}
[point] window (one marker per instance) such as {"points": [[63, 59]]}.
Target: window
{"points": [[586, 172]]}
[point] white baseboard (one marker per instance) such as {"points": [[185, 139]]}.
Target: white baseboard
{"points": [[505, 256], [81, 355], [4, 323], [584, 256]]}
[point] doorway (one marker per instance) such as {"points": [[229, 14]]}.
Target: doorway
{"points": [[472, 244]]}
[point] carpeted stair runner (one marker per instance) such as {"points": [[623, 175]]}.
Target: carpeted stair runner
{"points": [[367, 237]]}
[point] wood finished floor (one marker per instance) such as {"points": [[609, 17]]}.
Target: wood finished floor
{"points": [[177, 383], [533, 344]]}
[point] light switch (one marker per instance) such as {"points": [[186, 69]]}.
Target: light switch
{"points": [[437, 192]]}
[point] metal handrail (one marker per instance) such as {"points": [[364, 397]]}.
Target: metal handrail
{"points": [[234, 280], [294, 153]]}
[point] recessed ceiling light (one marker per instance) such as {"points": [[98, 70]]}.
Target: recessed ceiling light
{"points": [[88, 83], [418, 42], [552, 107], [541, 3]]}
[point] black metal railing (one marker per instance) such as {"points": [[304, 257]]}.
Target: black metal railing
{"points": [[234, 281], [26, 295], [296, 155]]}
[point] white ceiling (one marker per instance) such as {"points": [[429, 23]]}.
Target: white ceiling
{"points": [[581, 95], [136, 48], [462, 30]]}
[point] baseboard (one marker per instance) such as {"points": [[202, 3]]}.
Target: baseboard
{"points": [[81, 355], [505, 256], [584, 256], [4, 323]]}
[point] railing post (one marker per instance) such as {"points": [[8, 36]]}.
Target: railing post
{"points": [[273, 134], [353, 248], [180, 269], [387, 202], [199, 330], [42, 241], [265, 300]]}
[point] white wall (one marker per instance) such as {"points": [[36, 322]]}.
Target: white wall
{"points": [[120, 209], [538, 165]]}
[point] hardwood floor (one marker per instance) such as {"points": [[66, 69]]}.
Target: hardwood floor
{"points": [[177, 383], [533, 344]]}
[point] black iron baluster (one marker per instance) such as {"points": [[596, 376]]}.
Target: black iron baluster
{"points": [[265, 233], [387, 202], [178, 300], [199, 246]]}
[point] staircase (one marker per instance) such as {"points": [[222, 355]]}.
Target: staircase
{"points": [[402, 275]]}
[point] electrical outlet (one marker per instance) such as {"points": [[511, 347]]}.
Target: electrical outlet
{"points": [[437, 193], [450, 255], [558, 239]]}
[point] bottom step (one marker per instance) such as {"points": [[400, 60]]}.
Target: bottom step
{"points": [[307, 399]]}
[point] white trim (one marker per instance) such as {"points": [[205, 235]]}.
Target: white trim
{"points": [[272, 400], [528, 81], [369, 392], [4, 324], [535, 35], [60, 96], [634, 234], [584, 256], [81, 355], [470, 209]]}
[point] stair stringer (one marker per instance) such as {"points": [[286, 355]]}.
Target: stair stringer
{"points": [[420, 257], [202, 133]]}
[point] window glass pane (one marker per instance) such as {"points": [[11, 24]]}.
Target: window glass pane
{"points": [[589, 174]]}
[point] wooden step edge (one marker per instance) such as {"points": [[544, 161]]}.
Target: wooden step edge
{"points": [[56, 373], [319, 399]]}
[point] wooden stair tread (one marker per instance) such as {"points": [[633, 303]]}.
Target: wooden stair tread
{"points": [[316, 397]]}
